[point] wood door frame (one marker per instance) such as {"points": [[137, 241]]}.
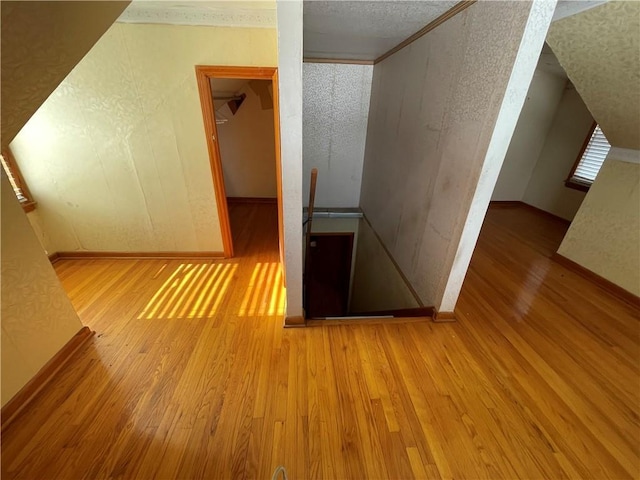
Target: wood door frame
{"points": [[203, 74]]}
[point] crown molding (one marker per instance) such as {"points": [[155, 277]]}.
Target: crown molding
{"points": [[202, 15]]}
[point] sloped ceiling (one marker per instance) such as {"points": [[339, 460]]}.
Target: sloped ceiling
{"points": [[600, 51], [41, 43], [364, 29]]}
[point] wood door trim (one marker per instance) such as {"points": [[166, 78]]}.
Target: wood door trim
{"points": [[203, 74]]}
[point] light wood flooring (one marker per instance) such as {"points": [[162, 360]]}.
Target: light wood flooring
{"points": [[191, 374]]}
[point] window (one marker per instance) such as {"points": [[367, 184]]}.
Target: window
{"points": [[16, 180], [589, 161]]}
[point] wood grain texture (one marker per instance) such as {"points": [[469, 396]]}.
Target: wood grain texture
{"points": [[191, 374], [521, 204], [45, 375], [86, 254], [611, 287]]}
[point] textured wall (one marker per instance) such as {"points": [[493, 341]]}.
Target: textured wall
{"points": [[528, 139], [604, 237], [41, 43], [377, 285], [290, 83], [599, 51], [248, 150], [37, 317], [336, 107], [433, 110], [116, 157], [546, 190]]}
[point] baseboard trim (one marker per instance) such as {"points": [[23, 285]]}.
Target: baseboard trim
{"points": [[518, 203], [365, 321], [444, 317], [400, 313], [54, 257], [602, 282], [267, 200], [41, 379], [133, 255], [296, 321]]}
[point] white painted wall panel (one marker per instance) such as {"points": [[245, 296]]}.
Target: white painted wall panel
{"points": [[37, 316], [605, 234], [247, 148], [534, 123], [336, 108], [433, 111], [116, 157], [546, 189], [290, 78]]}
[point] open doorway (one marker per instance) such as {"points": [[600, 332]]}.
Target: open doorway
{"points": [[234, 101]]}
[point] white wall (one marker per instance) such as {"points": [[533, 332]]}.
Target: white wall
{"points": [[546, 189], [377, 285], [290, 94], [116, 157], [604, 236], [431, 139], [247, 148], [539, 18], [336, 108], [534, 123], [37, 317]]}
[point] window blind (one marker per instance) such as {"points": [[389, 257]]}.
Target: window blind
{"points": [[12, 179], [592, 158]]}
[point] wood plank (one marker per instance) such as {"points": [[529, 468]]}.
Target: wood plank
{"points": [[89, 254], [21, 400], [607, 285], [192, 375]]}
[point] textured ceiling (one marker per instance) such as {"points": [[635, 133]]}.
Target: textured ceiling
{"points": [[364, 30], [237, 13], [566, 8], [600, 51], [229, 86]]}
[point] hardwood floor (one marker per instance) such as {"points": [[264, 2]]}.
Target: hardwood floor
{"points": [[191, 374]]}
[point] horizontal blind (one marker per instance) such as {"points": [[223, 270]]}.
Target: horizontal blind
{"points": [[12, 180], [593, 157]]}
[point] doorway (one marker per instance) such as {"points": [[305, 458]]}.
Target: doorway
{"points": [[230, 102], [328, 274]]}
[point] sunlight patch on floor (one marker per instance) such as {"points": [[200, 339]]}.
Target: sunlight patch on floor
{"points": [[265, 293], [191, 291]]}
